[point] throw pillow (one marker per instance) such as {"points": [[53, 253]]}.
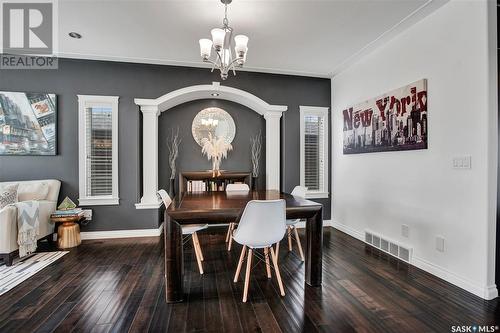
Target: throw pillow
{"points": [[8, 196], [33, 191]]}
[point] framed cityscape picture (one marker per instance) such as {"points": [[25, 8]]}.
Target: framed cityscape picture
{"points": [[28, 123], [394, 121]]}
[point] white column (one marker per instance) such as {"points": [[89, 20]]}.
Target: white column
{"points": [[149, 199], [273, 156]]}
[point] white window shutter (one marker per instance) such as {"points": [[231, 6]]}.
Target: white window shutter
{"points": [[98, 150], [314, 150]]}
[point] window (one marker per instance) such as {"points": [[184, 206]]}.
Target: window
{"points": [[98, 150], [314, 150]]}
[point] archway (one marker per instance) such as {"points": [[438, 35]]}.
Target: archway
{"points": [[151, 109]]}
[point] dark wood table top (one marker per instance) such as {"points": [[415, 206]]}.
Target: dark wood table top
{"points": [[217, 207]]}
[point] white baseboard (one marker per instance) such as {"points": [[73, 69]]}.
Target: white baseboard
{"points": [[488, 292], [348, 230], [485, 292], [87, 235], [302, 224]]}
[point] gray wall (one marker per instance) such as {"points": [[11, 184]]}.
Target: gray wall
{"points": [[248, 124], [149, 81]]}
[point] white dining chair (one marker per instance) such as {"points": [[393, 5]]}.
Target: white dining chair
{"points": [[261, 225], [232, 188], [188, 231], [300, 192]]}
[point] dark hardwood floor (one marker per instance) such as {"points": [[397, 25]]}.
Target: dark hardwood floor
{"points": [[118, 286]]}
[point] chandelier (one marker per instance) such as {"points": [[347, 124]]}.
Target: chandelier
{"points": [[221, 43], [210, 122]]}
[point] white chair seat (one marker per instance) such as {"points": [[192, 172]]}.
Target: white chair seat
{"points": [[292, 222], [189, 229]]}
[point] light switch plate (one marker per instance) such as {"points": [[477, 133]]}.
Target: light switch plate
{"points": [[440, 243]]}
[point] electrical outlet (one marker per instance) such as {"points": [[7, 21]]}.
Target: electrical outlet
{"points": [[405, 230], [440, 243], [88, 214], [462, 162]]}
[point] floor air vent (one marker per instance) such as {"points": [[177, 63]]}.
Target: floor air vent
{"points": [[388, 246]]}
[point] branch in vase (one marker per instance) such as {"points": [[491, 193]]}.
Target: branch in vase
{"points": [[173, 143], [256, 149]]}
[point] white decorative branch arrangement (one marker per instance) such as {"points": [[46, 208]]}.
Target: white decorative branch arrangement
{"points": [[256, 144], [216, 149], [173, 151]]}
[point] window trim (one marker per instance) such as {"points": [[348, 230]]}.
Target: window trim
{"points": [[84, 101], [320, 112]]}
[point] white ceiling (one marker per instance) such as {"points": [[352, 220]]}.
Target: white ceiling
{"points": [[316, 38]]}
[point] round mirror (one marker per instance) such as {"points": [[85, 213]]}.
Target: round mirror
{"points": [[215, 121]]}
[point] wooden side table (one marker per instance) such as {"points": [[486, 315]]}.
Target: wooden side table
{"points": [[68, 233]]}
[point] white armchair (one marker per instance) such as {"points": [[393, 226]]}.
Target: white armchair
{"points": [[27, 190]]}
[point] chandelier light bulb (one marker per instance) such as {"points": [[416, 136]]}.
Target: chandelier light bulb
{"points": [[218, 36], [205, 48], [241, 47], [241, 41]]}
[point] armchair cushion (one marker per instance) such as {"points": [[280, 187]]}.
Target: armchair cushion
{"points": [[8, 195], [32, 191]]}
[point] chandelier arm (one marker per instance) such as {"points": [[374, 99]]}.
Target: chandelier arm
{"points": [[214, 65], [234, 61], [209, 61], [220, 59]]}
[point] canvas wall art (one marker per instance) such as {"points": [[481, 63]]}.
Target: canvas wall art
{"points": [[28, 123], [394, 121]]}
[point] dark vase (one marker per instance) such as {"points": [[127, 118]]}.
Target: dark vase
{"points": [[254, 183], [171, 190]]}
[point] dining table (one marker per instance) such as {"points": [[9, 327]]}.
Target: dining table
{"points": [[217, 207]]}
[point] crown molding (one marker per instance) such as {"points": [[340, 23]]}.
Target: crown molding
{"points": [[417, 15]]}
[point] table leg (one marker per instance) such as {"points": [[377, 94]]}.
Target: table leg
{"points": [[174, 261], [314, 249]]}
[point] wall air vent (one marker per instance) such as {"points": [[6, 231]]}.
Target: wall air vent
{"points": [[388, 246]]}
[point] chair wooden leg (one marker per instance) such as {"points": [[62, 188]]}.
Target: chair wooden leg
{"points": [[198, 258], [228, 232], [277, 250], [277, 271], [297, 239], [268, 264], [247, 274], [289, 238], [230, 244], [240, 263], [197, 240]]}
